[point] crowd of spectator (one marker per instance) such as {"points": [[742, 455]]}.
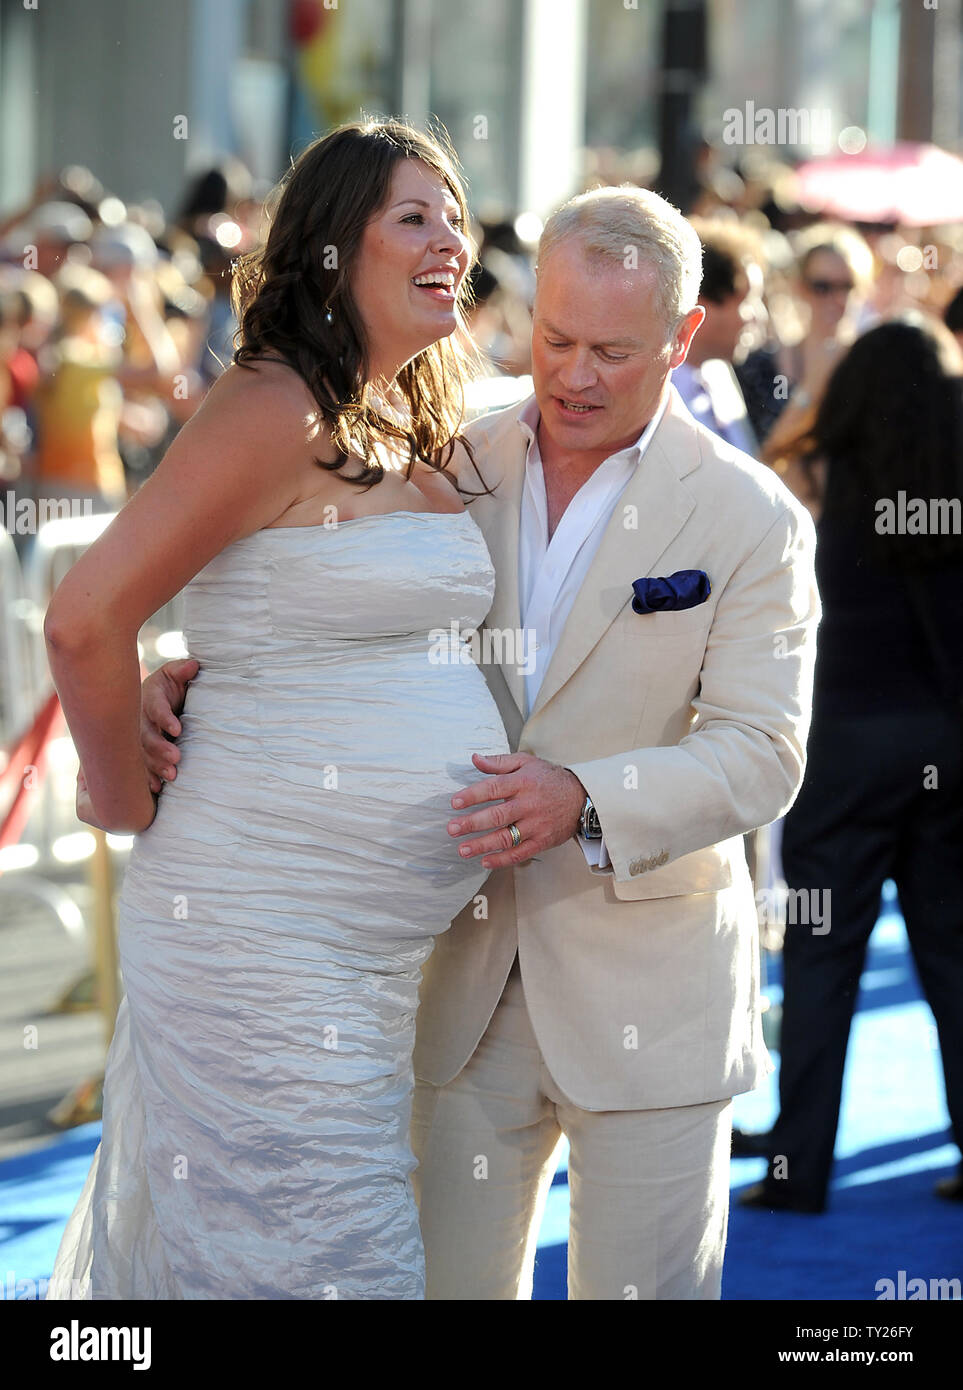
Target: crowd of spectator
{"points": [[113, 323], [115, 320]]}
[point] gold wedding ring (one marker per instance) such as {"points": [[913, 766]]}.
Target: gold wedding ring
{"points": [[515, 833]]}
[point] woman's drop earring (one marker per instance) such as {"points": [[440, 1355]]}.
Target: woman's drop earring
{"points": [[328, 317]]}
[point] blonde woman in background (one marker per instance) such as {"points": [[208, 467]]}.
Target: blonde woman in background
{"points": [[784, 384]]}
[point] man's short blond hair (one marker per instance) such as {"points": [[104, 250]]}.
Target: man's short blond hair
{"points": [[633, 227]]}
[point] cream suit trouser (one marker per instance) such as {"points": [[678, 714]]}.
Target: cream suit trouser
{"points": [[649, 1189]]}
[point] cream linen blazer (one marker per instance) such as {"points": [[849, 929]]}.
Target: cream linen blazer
{"points": [[687, 728]]}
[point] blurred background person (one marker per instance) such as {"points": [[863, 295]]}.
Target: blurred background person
{"points": [[29, 309], [80, 398], [500, 323], [217, 347], [731, 296], [225, 187], [953, 316], [18, 379], [134, 321], [19, 365], [883, 792], [53, 229], [218, 220], [784, 381]]}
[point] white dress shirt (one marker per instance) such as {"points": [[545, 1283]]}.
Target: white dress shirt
{"points": [[552, 571]]}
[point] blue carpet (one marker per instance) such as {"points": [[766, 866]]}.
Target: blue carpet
{"points": [[892, 1145], [37, 1194]]}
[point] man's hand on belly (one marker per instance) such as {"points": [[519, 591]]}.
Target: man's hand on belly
{"points": [[543, 800]]}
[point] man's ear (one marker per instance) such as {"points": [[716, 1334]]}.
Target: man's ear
{"points": [[684, 333]]}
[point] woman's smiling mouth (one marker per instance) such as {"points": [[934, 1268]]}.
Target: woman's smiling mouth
{"points": [[440, 284]]}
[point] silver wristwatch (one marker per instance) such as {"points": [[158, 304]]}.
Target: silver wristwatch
{"points": [[588, 822]]}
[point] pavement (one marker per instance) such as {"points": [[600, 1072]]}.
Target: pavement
{"points": [[42, 1054]]}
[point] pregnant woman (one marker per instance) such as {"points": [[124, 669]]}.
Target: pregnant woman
{"points": [[283, 893]]}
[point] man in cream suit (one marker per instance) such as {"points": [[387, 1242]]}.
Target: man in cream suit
{"points": [[604, 984]]}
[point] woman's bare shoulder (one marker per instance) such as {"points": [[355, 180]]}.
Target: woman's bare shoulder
{"points": [[265, 396], [270, 378]]}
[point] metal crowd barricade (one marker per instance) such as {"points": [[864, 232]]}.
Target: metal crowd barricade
{"points": [[58, 544], [23, 684], [18, 695], [56, 547]]}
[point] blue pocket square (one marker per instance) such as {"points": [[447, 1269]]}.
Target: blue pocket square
{"points": [[684, 589]]}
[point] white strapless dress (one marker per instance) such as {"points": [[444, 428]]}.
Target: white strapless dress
{"points": [[274, 919]]}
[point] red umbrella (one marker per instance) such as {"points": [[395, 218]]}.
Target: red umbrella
{"points": [[915, 185]]}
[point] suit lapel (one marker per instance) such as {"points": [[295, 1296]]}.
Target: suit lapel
{"points": [[626, 552], [498, 518]]}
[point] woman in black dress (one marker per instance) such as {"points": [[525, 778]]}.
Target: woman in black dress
{"points": [[883, 793]]}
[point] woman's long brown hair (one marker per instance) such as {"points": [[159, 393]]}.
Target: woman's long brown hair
{"points": [[293, 299]]}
